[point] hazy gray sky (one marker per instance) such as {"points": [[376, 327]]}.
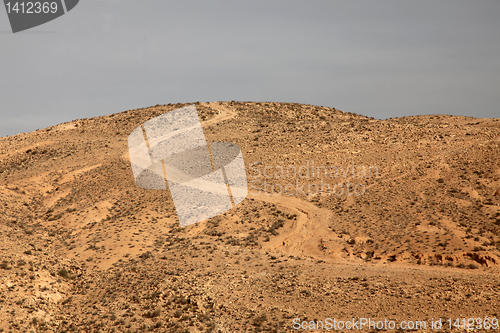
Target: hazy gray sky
{"points": [[376, 58]]}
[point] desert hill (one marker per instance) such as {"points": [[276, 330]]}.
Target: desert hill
{"points": [[347, 216]]}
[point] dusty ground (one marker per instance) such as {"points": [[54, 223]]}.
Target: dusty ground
{"points": [[83, 249]]}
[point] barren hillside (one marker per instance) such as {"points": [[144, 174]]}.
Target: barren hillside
{"points": [[347, 216]]}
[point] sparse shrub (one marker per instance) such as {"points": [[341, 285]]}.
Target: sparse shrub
{"points": [[156, 313], [306, 293], [369, 254], [55, 217], [213, 233], [181, 300], [5, 265], [152, 314], [272, 231], [67, 300], [233, 241], [278, 224], [63, 273], [251, 240], [258, 321], [146, 255]]}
